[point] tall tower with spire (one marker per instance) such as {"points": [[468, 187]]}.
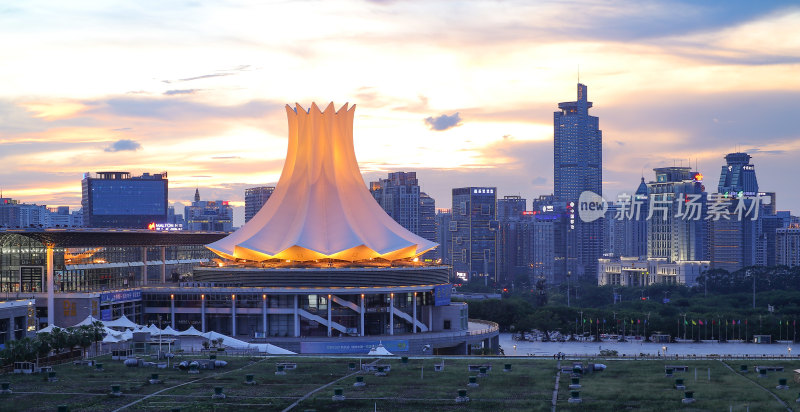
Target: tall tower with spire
{"points": [[578, 167], [197, 194]]}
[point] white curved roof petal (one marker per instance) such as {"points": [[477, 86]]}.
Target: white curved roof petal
{"points": [[321, 207]]}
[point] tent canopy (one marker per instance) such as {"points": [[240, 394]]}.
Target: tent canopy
{"points": [[122, 322]]}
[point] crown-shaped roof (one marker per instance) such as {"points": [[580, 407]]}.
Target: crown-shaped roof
{"points": [[321, 207]]}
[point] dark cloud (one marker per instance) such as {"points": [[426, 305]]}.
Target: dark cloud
{"points": [[443, 122], [122, 129], [538, 181], [182, 91], [123, 145]]}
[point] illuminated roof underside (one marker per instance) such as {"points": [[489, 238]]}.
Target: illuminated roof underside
{"points": [[321, 208]]}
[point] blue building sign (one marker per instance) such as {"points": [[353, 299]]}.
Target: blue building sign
{"points": [[121, 296], [352, 347], [441, 295]]}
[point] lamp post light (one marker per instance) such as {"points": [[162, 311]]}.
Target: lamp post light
{"points": [[789, 350], [664, 349], [515, 349]]}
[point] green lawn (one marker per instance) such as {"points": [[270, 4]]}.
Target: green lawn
{"points": [[408, 387]]}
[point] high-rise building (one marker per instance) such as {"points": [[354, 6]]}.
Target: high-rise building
{"points": [[549, 254], [443, 236], [510, 208], [474, 238], [254, 200], [514, 239], [787, 249], [427, 222], [578, 167], [117, 199], [399, 196], [206, 215], [738, 177], [676, 228]]}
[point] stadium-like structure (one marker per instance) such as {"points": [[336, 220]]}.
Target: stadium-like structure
{"points": [[327, 261]]}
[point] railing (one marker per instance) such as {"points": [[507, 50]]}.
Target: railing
{"points": [[491, 327]]}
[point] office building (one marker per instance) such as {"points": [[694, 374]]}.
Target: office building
{"points": [[443, 236], [399, 196], [787, 246], [254, 200], [204, 215], [738, 176], [427, 222], [119, 200], [676, 229], [677, 234], [474, 238], [578, 167], [14, 214], [511, 208]]}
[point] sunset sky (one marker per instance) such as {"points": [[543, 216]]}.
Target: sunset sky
{"points": [[462, 92]]}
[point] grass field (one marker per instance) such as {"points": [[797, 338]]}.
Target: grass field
{"points": [[625, 384]]}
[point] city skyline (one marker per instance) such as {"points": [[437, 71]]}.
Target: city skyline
{"points": [[468, 94]]}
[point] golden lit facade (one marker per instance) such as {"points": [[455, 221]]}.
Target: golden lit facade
{"points": [[321, 208]]}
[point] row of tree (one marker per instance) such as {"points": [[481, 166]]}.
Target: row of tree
{"points": [[722, 305], [43, 344]]}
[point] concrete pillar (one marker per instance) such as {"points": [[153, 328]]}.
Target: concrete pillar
{"points": [[391, 313], [163, 264], [329, 314], [233, 315], [202, 313], [362, 314], [144, 266], [296, 318], [430, 318], [51, 310], [264, 315], [414, 315], [171, 311]]}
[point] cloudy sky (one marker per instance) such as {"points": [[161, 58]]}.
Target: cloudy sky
{"points": [[462, 92]]}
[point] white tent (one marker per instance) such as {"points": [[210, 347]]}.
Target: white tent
{"points": [[169, 331], [48, 329], [112, 332], [110, 339], [127, 335], [153, 329], [321, 169], [122, 322], [191, 332], [238, 344], [379, 351], [88, 321]]}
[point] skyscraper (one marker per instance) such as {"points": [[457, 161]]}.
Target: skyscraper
{"points": [[117, 199], [254, 199], [427, 221], [399, 196], [474, 233], [738, 176], [514, 239], [676, 229], [578, 167]]}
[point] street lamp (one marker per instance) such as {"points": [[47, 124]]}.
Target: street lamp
{"points": [[789, 349], [664, 349]]}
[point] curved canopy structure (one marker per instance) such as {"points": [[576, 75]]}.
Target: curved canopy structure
{"points": [[321, 208]]}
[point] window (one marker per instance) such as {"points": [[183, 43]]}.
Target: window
{"points": [[447, 325]]}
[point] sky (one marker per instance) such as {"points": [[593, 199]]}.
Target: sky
{"points": [[462, 92]]}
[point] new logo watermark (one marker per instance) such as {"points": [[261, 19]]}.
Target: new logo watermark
{"points": [[591, 206], [695, 206]]}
